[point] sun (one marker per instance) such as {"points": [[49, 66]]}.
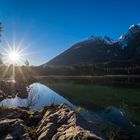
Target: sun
{"points": [[15, 52], [14, 56]]}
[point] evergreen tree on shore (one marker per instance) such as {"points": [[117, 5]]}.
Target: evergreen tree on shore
{"points": [[27, 63]]}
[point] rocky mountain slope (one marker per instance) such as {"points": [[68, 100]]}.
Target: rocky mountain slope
{"points": [[102, 49]]}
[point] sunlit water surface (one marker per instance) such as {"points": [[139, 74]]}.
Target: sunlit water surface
{"points": [[39, 96]]}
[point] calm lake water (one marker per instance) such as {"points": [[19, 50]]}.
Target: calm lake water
{"points": [[119, 106], [38, 97]]}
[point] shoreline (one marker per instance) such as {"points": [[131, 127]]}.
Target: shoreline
{"points": [[109, 80]]}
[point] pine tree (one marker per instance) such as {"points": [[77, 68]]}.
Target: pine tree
{"points": [[27, 63]]}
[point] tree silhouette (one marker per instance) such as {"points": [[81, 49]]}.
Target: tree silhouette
{"points": [[27, 63]]}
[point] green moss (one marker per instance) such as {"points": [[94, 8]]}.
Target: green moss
{"points": [[80, 109]]}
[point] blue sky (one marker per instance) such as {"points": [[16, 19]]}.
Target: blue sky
{"points": [[49, 27]]}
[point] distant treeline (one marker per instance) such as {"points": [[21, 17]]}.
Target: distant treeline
{"points": [[110, 73], [108, 68]]}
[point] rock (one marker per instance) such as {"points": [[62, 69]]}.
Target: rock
{"points": [[9, 137], [10, 88], [35, 117], [2, 95], [64, 123], [13, 113], [51, 123], [12, 129]]}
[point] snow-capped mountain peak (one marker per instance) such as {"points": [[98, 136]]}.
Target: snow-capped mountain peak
{"points": [[104, 39], [132, 32], [135, 28]]}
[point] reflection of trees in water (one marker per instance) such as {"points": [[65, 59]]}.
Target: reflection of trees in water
{"points": [[33, 97]]}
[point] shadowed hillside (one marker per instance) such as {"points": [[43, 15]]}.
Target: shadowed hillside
{"points": [[96, 50]]}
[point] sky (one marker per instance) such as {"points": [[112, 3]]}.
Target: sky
{"points": [[46, 28]]}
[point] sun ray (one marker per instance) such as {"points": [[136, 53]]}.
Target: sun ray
{"points": [[21, 72], [14, 56], [13, 72]]}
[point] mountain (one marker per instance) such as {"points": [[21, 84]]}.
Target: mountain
{"points": [[96, 50], [134, 31]]}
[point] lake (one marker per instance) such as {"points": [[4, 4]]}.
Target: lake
{"points": [[98, 98], [116, 105], [39, 96]]}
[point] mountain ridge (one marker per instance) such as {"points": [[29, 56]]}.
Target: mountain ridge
{"points": [[101, 49]]}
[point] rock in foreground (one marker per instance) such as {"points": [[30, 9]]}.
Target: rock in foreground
{"points": [[64, 123], [52, 122]]}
